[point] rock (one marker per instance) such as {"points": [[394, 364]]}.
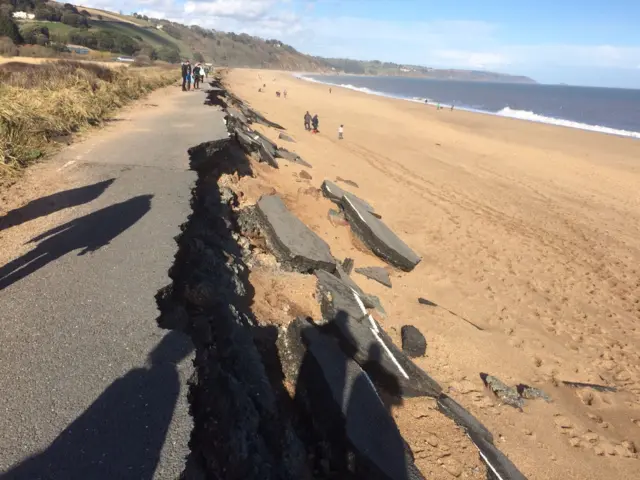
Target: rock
{"points": [[367, 343], [346, 411], [507, 395], [599, 388], [377, 236], [413, 342], [531, 393], [574, 442], [267, 156], [347, 265], [463, 418], [598, 450], [292, 241], [348, 182], [304, 174], [379, 274], [285, 137], [292, 157], [334, 193]]}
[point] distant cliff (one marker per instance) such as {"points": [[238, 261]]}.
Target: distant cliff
{"points": [[375, 67]]}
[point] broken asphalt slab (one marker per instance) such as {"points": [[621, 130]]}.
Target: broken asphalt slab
{"points": [[292, 241], [377, 236], [344, 410], [379, 274], [285, 137], [334, 193], [291, 157], [267, 157], [367, 343]]}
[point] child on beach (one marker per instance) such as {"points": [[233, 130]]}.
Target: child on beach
{"points": [[340, 132]]}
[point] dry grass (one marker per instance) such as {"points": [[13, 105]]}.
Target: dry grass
{"points": [[39, 102]]}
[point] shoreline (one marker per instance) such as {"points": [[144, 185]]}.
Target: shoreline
{"points": [[528, 231], [506, 112]]}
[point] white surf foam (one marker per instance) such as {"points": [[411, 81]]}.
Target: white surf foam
{"points": [[505, 112], [534, 117]]}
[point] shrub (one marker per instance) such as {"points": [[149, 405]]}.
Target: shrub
{"points": [[38, 102], [7, 47], [8, 28], [36, 35], [197, 56], [36, 51], [142, 61], [48, 13]]}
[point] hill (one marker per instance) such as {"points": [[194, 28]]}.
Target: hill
{"points": [[56, 25]]}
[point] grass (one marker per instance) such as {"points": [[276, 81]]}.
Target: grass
{"points": [[40, 102]]}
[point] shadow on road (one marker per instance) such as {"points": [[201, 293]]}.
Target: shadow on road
{"points": [[122, 433], [89, 233], [44, 206]]}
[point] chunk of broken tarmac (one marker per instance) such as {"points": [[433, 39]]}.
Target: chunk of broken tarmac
{"points": [[461, 416], [285, 137], [293, 243], [238, 115], [268, 144], [247, 143], [367, 343], [379, 274], [345, 409], [291, 157], [267, 156], [334, 193], [413, 342], [377, 236]]}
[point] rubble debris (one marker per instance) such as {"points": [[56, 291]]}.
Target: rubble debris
{"points": [[348, 182], [424, 301], [344, 411], [268, 144], [377, 236], [295, 244], [334, 193], [379, 274], [599, 388], [285, 137], [347, 265], [531, 393], [247, 143], [369, 301], [304, 174], [507, 395], [345, 317], [413, 342], [337, 218]]}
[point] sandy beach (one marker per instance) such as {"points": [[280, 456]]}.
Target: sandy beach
{"points": [[529, 231]]}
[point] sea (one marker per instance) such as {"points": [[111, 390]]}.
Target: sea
{"points": [[614, 111]]}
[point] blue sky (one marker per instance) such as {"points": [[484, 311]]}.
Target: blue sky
{"points": [[584, 42]]}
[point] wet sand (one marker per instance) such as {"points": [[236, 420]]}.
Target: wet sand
{"points": [[529, 231]]}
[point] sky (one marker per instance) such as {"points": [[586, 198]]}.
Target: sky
{"points": [[579, 42]]}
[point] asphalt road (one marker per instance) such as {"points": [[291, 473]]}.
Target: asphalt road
{"points": [[90, 387]]}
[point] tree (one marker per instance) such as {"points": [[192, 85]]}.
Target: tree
{"points": [[141, 61], [8, 28], [36, 35], [197, 56], [148, 51], [75, 20], [45, 12]]}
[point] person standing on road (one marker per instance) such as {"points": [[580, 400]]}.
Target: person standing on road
{"points": [[186, 76], [307, 121], [196, 76]]}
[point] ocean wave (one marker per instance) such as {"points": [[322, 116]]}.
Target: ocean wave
{"points": [[534, 117]]}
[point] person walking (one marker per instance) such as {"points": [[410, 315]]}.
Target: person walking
{"points": [[285, 93], [196, 76], [341, 132], [307, 121], [186, 75], [315, 122]]}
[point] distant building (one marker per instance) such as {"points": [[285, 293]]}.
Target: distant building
{"points": [[79, 49], [23, 15], [124, 59], [159, 27]]}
